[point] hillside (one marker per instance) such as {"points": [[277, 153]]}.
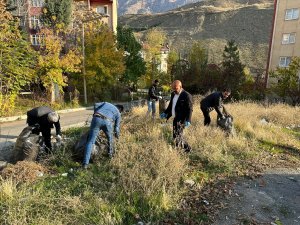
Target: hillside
{"points": [[215, 22], [150, 6]]}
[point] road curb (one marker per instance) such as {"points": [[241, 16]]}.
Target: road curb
{"points": [[23, 117], [127, 106]]}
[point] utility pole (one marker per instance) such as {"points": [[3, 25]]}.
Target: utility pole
{"points": [[83, 66], [298, 80]]}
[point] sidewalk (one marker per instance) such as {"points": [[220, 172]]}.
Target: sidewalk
{"points": [[127, 106], [23, 117]]}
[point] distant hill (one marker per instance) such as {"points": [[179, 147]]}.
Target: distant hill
{"points": [[149, 6], [248, 22]]}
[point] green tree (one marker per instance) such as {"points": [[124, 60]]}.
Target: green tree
{"points": [[135, 65], [17, 60], [233, 69], [288, 85], [104, 62], [53, 65], [193, 68], [57, 13]]}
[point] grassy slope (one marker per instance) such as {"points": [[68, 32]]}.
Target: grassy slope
{"points": [[145, 180]]}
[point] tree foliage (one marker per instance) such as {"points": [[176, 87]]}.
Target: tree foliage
{"points": [[57, 13], [17, 60], [153, 41], [288, 85], [135, 65], [53, 65], [233, 69], [104, 62]]}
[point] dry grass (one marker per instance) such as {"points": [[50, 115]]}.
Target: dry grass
{"points": [[144, 180], [23, 171]]}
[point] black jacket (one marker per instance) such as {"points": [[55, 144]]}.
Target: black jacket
{"points": [[213, 101], [183, 108], [152, 93], [39, 115]]}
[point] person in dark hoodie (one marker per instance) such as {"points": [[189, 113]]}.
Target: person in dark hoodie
{"points": [[180, 108], [43, 118], [214, 101], [152, 98]]}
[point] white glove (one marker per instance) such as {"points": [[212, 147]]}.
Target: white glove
{"points": [[58, 138], [159, 97]]}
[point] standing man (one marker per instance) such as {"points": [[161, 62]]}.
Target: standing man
{"points": [[152, 98], [45, 118], [106, 117], [214, 101], [180, 108]]}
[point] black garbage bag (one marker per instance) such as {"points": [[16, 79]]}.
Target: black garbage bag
{"points": [[27, 145], [226, 124], [99, 147], [162, 105]]}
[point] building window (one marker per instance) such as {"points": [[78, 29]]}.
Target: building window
{"points": [[37, 39], [35, 22], [284, 61], [37, 3], [288, 38], [102, 9], [291, 14]]}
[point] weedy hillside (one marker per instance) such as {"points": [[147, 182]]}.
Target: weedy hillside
{"points": [[149, 181]]}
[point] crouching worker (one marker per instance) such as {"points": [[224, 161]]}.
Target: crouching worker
{"points": [[214, 101], [43, 118], [106, 117]]}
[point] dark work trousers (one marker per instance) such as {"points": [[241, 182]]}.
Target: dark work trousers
{"points": [[46, 133], [178, 126], [207, 119]]}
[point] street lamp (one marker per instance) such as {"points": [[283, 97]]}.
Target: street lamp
{"points": [[83, 54]]}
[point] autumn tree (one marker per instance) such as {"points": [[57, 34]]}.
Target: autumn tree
{"points": [[104, 62], [53, 65], [153, 40], [135, 65], [17, 60], [288, 85]]}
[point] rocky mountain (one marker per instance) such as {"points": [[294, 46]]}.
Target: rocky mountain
{"points": [[248, 22], [149, 6]]}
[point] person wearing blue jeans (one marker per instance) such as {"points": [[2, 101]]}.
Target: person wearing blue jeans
{"points": [[106, 117], [152, 98]]}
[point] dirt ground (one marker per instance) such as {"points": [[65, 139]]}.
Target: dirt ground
{"points": [[273, 198]]}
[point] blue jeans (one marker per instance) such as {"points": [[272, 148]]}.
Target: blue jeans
{"points": [[151, 107], [98, 124]]}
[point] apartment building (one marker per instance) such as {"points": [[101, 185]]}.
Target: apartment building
{"points": [[285, 40], [29, 12], [107, 8]]}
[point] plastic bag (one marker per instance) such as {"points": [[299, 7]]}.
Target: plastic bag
{"points": [[226, 124], [79, 148], [27, 145]]}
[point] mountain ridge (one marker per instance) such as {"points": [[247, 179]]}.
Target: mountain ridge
{"points": [[215, 24], [150, 6]]}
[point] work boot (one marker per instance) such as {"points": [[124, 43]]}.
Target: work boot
{"points": [[85, 167]]}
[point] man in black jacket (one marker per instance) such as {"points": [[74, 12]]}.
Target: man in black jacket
{"points": [[180, 108], [214, 101], [152, 98], [44, 118]]}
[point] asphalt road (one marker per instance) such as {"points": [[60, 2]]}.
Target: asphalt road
{"points": [[9, 131]]}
